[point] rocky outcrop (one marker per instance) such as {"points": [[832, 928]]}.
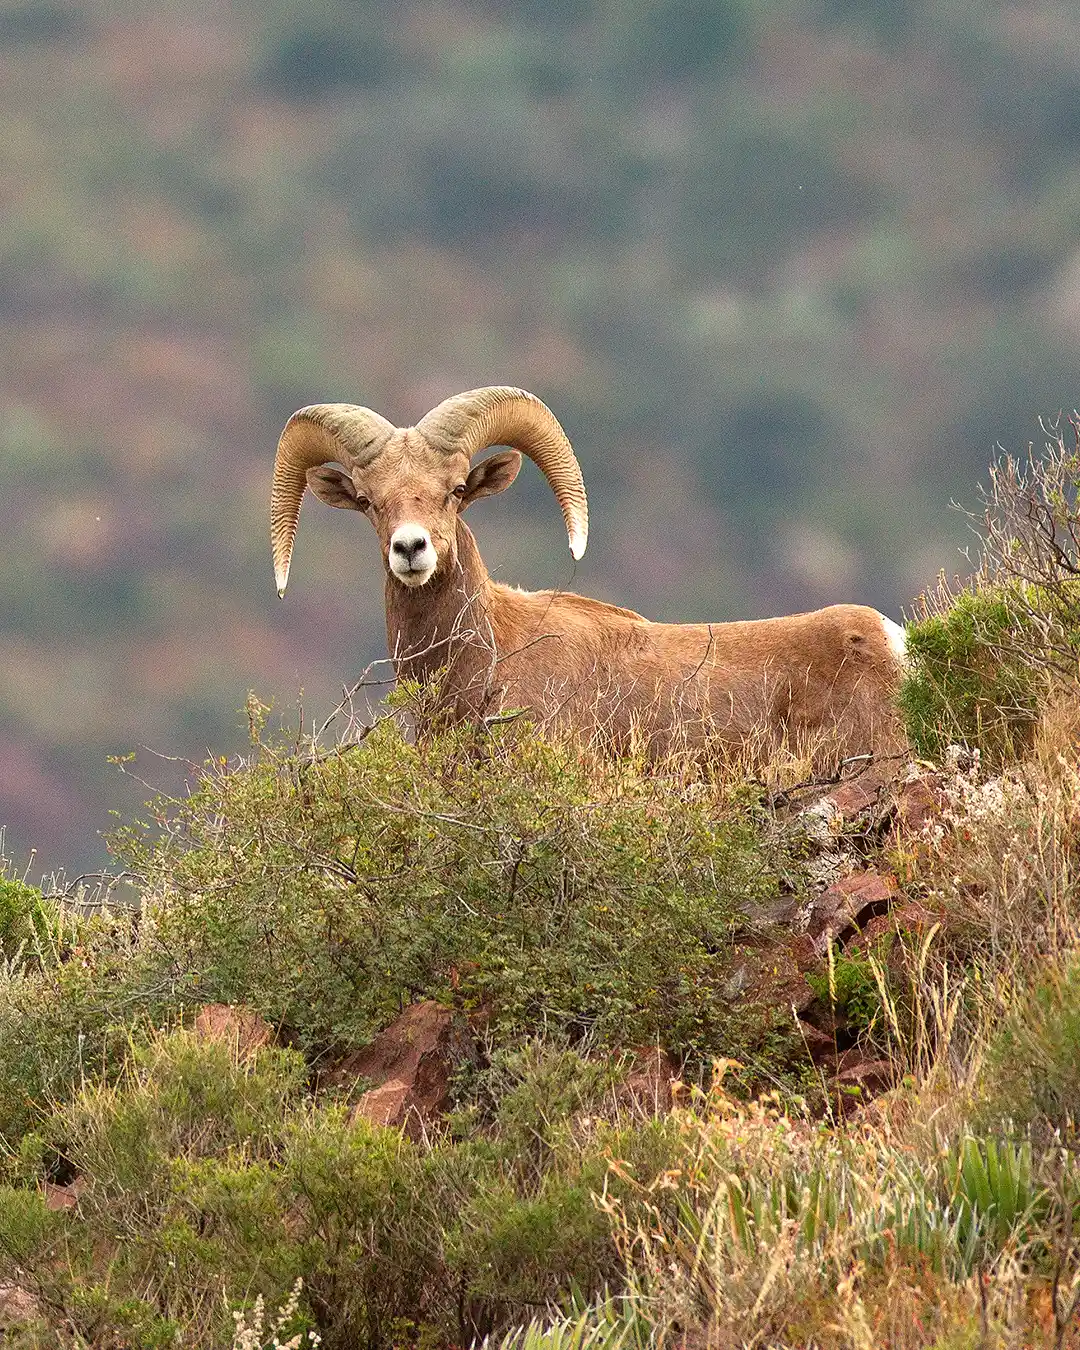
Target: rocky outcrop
{"points": [[240, 1027], [648, 1087], [410, 1065]]}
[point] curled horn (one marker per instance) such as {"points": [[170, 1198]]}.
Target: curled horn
{"points": [[501, 416], [325, 433]]}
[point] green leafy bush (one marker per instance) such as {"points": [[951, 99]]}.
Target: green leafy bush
{"points": [[966, 682], [208, 1180], [983, 659], [848, 987], [496, 872]]}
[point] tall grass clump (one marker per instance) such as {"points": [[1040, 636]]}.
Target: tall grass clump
{"points": [[909, 1230], [30, 925], [1033, 1062]]}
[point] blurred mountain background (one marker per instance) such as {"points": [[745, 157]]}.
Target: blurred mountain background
{"points": [[785, 271]]}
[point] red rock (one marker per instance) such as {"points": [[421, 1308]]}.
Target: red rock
{"points": [[820, 1046], [804, 952], [646, 1089], [853, 798], [387, 1104], [878, 927], [411, 1063], [773, 974], [847, 902], [17, 1306], [867, 888], [858, 1078], [242, 1028], [64, 1197], [918, 802], [906, 918]]}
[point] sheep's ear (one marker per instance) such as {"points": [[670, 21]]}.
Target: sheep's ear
{"points": [[491, 475], [333, 487]]}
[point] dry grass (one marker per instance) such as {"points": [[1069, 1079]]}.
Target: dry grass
{"points": [[947, 1213], [778, 1232]]}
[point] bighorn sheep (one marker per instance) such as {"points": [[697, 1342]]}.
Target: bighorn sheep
{"points": [[599, 670]]}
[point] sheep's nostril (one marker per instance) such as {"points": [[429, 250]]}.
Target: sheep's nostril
{"points": [[408, 547]]}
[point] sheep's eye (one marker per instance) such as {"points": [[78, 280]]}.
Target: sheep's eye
{"points": [[362, 503], [459, 491]]}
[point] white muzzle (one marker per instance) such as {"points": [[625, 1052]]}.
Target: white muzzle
{"points": [[412, 555]]}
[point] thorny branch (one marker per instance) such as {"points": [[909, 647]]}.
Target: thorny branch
{"points": [[847, 771], [1029, 536], [358, 730], [367, 681]]}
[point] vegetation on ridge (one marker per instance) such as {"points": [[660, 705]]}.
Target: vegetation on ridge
{"points": [[158, 1186], [496, 871]]}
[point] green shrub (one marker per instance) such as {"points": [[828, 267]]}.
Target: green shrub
{"points": [[849, 988], [967, 681], [29, 924], [983, 659], [208, 1180], [499, 872], [181, 1096], [528, 1091], [139, 1261]]}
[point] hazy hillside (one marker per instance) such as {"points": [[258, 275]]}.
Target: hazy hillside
{"points": [[785, 271]]}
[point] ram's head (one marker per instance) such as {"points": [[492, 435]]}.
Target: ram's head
{"points": [[412, 483]]}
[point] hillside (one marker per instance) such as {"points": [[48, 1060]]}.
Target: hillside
{"points": [[480, 1038], [786, 273]]}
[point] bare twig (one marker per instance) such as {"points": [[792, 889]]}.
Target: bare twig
{"points": [[863, 763]]}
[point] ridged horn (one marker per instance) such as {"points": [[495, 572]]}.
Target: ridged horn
{"points": [[325, 433], [501, 416]]}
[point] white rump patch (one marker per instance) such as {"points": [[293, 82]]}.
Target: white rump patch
{"points": [[895, 637]]}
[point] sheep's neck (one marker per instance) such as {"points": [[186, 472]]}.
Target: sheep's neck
{"points": [[444, 625]]}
